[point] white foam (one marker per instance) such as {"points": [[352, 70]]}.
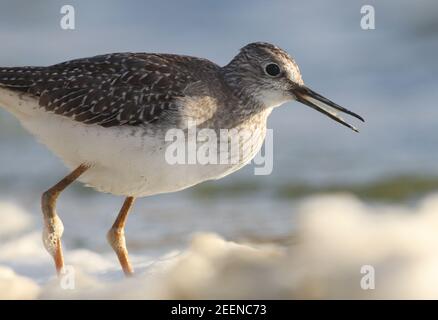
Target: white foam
{"points": [[13, 219], [336, 236]]}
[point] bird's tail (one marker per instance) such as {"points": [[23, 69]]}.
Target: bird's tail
{"points": [[18, 78], [14, 82]]}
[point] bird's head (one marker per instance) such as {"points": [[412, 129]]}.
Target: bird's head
{"points": [[271, 76]]}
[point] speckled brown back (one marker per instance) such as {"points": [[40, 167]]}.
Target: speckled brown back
{"points": [[113, 89]]}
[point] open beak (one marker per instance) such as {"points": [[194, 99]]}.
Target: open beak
{"points": [[316, 101]]}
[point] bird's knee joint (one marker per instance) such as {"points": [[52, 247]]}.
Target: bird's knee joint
{"points": [[47, 196], [114, 234], [48, 199]]}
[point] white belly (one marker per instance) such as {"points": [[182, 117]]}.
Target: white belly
{"points": [[124, 160]]}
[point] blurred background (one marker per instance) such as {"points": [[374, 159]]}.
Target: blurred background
{"points": [[387, 75]]}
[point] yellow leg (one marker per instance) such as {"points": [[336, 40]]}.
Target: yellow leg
{"points": [[116, 236], [53, 227]]}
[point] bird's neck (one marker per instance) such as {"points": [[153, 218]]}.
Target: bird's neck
{"points": [[245, 104], [242, 117]]}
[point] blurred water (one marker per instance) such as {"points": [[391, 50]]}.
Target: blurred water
{"points": [[387, 75]]}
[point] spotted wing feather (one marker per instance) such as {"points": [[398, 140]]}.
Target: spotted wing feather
{"points": [[110, 90]]}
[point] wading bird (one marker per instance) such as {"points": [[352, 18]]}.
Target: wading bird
{"points": [[107, 116]]}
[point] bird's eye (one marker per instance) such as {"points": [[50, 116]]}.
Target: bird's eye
{"points": [[272, 69]]}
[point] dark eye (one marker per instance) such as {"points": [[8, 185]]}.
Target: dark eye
{"points": [[272, 69]]}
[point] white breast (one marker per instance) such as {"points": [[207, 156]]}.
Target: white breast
{"points": [[125, 160]]}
